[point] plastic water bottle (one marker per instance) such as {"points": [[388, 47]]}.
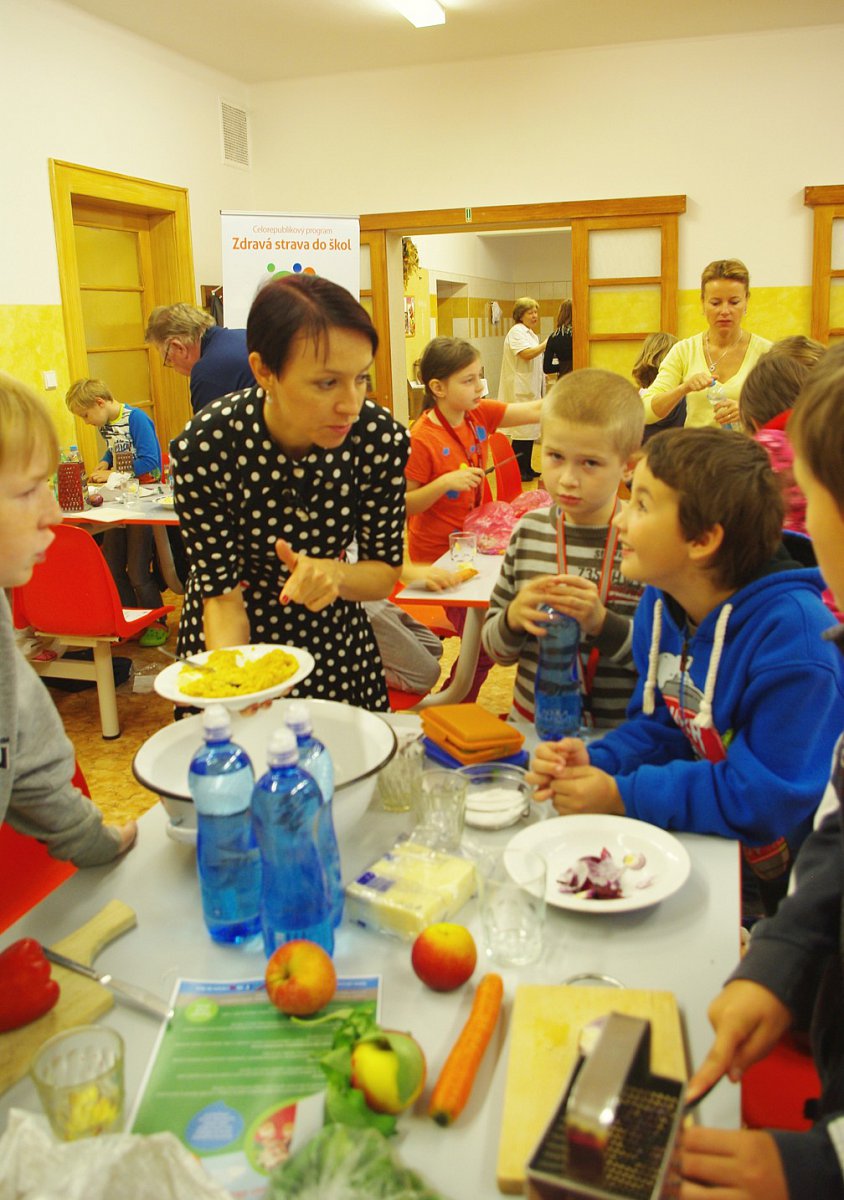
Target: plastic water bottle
{"points": [[221, 781], [286, 806], [315, 759], [715, 394], [558, 704]]}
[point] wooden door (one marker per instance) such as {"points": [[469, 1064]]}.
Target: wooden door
{"points": [[373, 297], [123, 247], [624, 286]]}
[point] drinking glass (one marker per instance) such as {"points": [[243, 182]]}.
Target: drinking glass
{"points": [[462, 547], [79, 1077], [512, 900], [441, 808]]}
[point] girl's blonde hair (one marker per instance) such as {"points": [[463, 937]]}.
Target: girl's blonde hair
{"points": [[654, 349], [26, 428], [442, 357]]}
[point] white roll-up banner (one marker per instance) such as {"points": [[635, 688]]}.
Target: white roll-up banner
{"points": [[262, 246]]}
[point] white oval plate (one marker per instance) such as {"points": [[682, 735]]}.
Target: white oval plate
{"points": [[360, 744], [563, 840], [167, 681]]}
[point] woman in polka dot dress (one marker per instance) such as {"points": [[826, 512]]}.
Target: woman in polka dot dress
{"points": [[449, 454], [273, 483]]}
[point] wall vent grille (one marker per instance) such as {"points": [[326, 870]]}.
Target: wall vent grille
{"points": [[234, 125]]}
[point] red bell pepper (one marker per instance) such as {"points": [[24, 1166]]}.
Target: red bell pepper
{"points": [[26, 989]]}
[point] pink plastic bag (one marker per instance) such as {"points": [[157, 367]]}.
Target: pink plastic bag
{"points": [[528, 501], [494, 523]]}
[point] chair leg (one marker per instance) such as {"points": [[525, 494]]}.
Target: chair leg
{"points": [[106, 695]]}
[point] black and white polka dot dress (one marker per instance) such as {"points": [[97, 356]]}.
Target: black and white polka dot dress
{"points": [[237, 492]]}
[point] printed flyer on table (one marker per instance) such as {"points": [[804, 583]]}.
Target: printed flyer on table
{"points": [[237, 1081]]}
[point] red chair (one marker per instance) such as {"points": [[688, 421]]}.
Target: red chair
{"points": [[72, 597], [508, 477], [774, 1091], [28, 871]]}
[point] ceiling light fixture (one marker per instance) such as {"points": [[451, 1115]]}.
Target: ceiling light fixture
{"points": [[421, 13]]}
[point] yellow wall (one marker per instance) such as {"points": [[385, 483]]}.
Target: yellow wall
{"points": [[32, 337], [418, 287]]}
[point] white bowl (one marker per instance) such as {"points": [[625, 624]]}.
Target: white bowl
{"points": [[359, 742]]}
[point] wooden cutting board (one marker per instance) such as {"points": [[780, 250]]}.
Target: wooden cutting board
{"points": [[81, 1001], [544, 1032]]}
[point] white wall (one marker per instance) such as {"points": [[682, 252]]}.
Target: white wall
{"points": [[77, 89], [739, 124], [534, 255]]}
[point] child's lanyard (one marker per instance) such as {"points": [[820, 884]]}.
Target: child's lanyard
{"points": [[474, 461], [587, 672]]}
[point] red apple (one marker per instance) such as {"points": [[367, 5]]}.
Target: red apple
{"points": [[95, 499], [389, 1068], [300, 978], [444, 956]]}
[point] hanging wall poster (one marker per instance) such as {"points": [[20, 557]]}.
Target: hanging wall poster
{"points": [[262, 246]]}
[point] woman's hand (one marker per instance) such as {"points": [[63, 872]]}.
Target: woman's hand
{"points": [[440, 579], [700, 382], [726, 412], [314, 582]]}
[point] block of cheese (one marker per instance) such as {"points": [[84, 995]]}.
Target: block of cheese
{"points": [[408, 888]]}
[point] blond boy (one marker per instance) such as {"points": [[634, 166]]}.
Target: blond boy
{"points": [[568, 556], [128, 551], [36, 759]]}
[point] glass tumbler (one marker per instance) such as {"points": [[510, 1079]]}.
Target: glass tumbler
{"points": [[79, 1077]]}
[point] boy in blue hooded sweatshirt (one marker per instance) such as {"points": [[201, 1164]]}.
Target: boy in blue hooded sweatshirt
{"points": [[739, 700], [792, 970]]}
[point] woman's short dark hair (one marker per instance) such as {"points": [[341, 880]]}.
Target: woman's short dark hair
{"points": [[722, 477], [306, 306]]}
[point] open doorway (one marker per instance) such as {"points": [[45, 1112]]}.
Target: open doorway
{"points": [[623, 271]]}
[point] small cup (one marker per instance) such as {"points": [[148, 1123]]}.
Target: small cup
{"points": [[79, 1077], [399, 782], [462, 547], [512, 900], [441, 808]]}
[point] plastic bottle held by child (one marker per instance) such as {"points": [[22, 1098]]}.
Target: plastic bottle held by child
{"points": [[286, 806], [315, 759], [221, 782], [558, 704]]}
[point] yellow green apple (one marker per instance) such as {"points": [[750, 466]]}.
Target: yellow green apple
{"points": [[389, 1068], [300, 977], [444, 956]]}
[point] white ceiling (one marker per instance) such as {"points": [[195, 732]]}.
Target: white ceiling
{"points": [[259, 41]]}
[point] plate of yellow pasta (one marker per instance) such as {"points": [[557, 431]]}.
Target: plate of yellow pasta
{"points": [[235, 677]]}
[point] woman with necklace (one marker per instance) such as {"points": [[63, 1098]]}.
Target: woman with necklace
{"points": [[274, 483], [710, 368]]}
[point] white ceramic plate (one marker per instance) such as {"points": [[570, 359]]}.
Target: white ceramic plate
{"points": [[563, 840], [167, 681], [359, 742]]}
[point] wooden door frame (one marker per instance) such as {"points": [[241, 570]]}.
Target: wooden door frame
{"points": [[167, 207], [827, 203], [551, 215]]}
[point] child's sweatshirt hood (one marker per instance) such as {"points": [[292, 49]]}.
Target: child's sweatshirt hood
{"points": [[744, 608]]}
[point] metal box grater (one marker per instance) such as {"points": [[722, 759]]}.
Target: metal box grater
{"points": [[612, 1136]]}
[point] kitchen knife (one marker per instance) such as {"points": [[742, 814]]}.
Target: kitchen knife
{"points": [[131, 995]]}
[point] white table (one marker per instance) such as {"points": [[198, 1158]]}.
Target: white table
{"points": [[145, 510], [687, 945], [473, 595]]}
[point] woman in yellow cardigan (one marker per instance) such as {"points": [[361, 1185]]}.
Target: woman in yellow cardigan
{"points": [[710, 368]]}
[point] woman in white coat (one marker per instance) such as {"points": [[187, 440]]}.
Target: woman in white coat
{"points": [[521, 375]]}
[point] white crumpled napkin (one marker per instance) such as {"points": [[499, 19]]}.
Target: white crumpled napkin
{"points": [[34, 1166]]}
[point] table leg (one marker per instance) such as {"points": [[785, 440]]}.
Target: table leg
{"points": [[467, 661]]}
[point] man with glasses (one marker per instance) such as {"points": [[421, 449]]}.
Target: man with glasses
{"points": [[215, 359]]}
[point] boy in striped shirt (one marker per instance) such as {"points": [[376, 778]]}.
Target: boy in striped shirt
{"points": [[568, 556]]}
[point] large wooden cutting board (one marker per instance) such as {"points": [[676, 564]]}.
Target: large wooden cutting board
{"points": [[81, 1001], [544, 1032]]}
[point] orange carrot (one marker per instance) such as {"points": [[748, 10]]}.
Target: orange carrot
{"points": [[452, 1089]]}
